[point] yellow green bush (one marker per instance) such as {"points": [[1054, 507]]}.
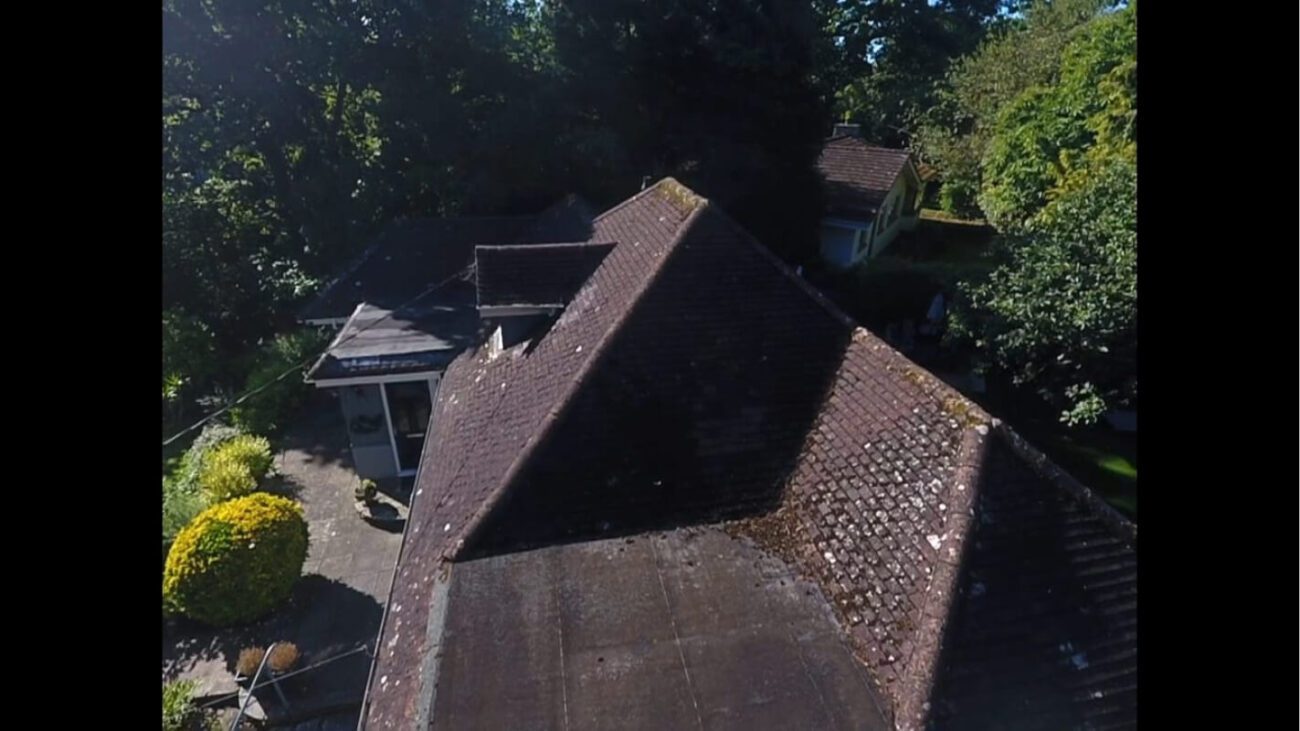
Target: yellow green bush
{"points": [[225, 476], [235, 467], [236, 561]]}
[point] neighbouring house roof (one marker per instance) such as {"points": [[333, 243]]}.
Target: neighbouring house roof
{"points": [[410, 255], [694, 380], [538, 275], [409, 300], [376, 341], [858, 176]]}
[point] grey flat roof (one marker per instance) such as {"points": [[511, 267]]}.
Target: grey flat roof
{"points": [[378, 341], [686, 629]]}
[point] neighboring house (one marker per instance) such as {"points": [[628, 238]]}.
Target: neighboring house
{"points": [[872, 195], [405, 308], [693, 493]]}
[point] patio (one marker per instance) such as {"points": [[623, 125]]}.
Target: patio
{"points": [[336, 606]]}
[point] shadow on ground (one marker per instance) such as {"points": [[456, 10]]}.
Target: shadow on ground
{"points": [[318, 432], [323, 617]]}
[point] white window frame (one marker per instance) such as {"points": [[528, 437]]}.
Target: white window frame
{"points": [[432, 382]]}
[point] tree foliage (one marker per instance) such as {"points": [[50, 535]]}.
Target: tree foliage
{"points": [[293, 130], [955, 131], [893, 53], [1044, 135], [281, 390], [1059, 313]]}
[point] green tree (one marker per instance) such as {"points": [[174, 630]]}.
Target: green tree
{"points": [[268, 158], [722, 95], [1059, 312], [896, 52], [1059, 315], [1043, 135], [187, 358], [954, 132]]}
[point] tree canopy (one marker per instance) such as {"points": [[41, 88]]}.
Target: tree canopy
{"points": [[1060, 180], [955, 131], [293, 131]]}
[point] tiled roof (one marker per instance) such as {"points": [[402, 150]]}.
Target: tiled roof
{"points": [[489, 411], [1045, 627], [534, 274], [858, 176], [694, 378]]}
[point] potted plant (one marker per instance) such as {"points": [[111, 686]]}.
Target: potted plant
{"points": [[282, 658], [365, 492], [250, 658]]}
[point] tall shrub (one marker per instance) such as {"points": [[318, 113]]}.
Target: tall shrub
{"points": [[183, 497], [235, 467], [178, 710], [269, 411]]}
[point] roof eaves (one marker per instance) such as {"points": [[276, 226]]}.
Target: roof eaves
{"points": [[545, 246], [325, 354]]}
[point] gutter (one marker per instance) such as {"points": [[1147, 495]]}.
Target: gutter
{"points": [[392, 580]]}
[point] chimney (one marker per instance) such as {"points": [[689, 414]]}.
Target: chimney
{"points": [[850, 130]]}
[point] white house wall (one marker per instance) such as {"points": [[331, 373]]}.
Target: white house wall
{"points": [[834, 230], [905, 222]]}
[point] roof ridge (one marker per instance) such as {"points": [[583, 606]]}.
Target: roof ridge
{"points": [[669, 180], [912, 710], [931, 384], [566, 398], [548, 245], [869, 145]]}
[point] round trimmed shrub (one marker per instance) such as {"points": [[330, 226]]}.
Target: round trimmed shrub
{"points": [[237, 560]]}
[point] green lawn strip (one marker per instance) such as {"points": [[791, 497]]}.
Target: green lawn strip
{"points": [[1103, 462]]}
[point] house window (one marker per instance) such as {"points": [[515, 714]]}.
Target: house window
{"points": [[894, 209], [863, 247]]}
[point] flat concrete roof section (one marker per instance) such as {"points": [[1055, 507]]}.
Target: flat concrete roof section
{"points": [[686, 629]]}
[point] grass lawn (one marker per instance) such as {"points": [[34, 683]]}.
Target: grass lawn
{"points": [[941, 239], [1104, 460], [899, 283]]}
